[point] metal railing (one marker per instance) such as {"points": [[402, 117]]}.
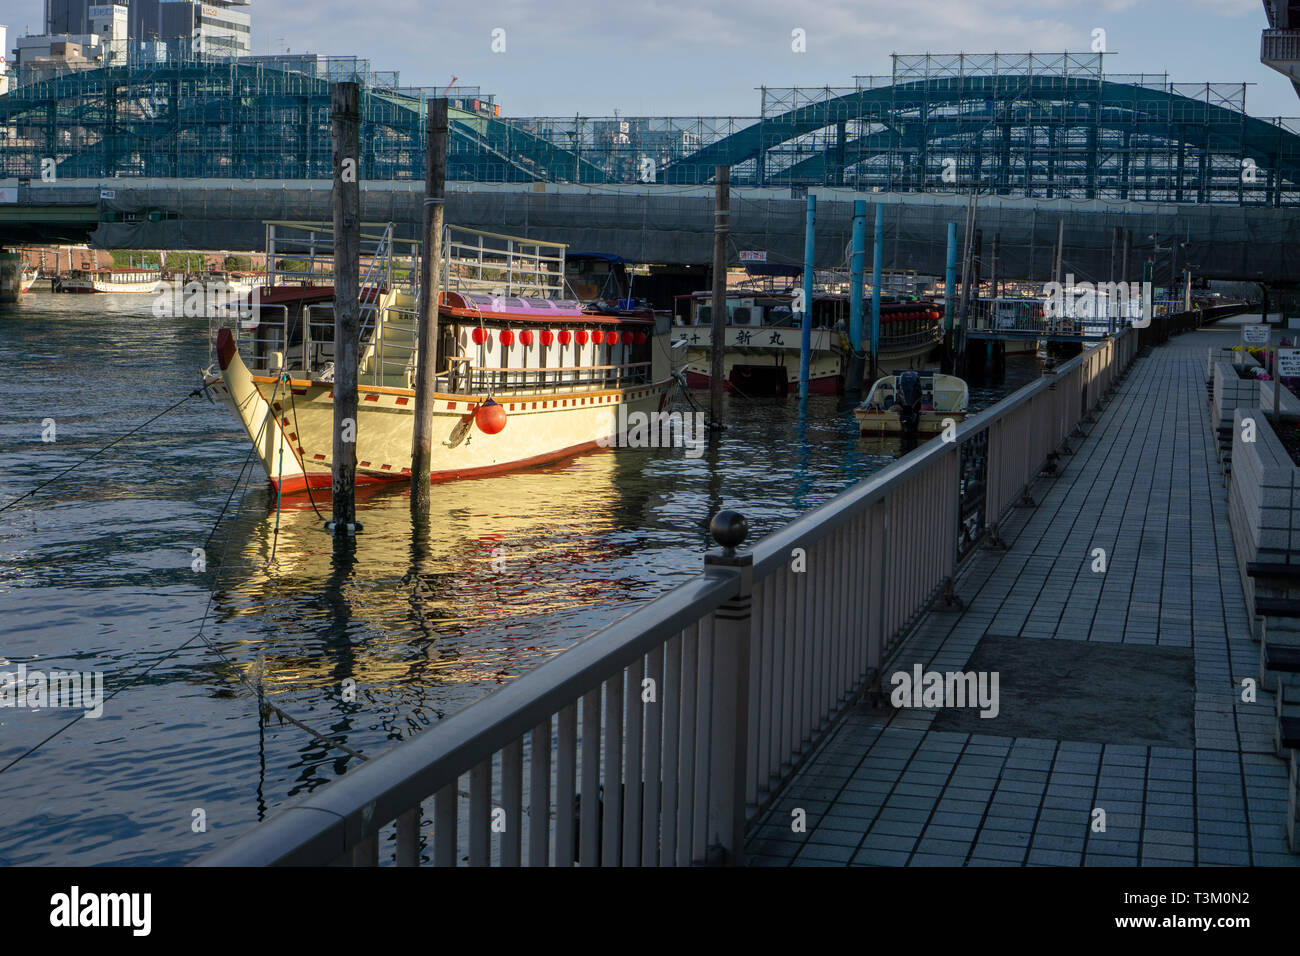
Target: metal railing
{"points": [[656, 740], [476, 261]]}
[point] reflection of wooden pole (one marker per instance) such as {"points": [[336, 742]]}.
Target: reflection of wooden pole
{"points": [[721, 227], [426, 371], [345, 129]]}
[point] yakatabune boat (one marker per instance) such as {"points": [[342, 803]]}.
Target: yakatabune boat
{"points": [[558, 374], [763, 339]]}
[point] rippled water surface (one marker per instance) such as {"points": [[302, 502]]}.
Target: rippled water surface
{"points": [[96, 573]]}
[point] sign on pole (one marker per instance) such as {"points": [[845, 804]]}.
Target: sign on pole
{"points": [[1254, 334], [1288, 363]]}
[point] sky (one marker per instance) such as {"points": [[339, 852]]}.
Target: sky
{"points": [[707, 58]]}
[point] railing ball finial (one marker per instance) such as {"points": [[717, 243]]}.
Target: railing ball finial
{"points": [[729, 529]]}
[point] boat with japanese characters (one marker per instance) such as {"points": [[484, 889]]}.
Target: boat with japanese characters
{"points": [[764, 338], [523, 378]]}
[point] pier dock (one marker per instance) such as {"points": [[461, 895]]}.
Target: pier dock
{"points": [[1121, 690]]}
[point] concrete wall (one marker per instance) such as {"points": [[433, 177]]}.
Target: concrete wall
{"points": [[1263, 499], [675, 224]]}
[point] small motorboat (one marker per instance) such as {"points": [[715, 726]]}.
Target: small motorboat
{"points": [[912, 403]]}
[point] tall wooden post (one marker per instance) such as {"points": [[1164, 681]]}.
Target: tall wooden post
{"points": [[345, 120], [721, 227], [435, 177]]}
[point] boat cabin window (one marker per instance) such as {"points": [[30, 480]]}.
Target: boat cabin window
{"points": [[780, 315]]}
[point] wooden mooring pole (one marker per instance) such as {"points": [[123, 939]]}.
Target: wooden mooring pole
{"points": [[721, 227], [345, 122], [435, 177]]}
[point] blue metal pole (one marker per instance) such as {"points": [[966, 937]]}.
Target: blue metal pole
{"points": [[805, 332], [857, 264], [950, 279], [877, 264]]}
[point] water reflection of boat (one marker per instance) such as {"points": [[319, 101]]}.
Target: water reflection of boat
{"points": [[507, 573], [912, 402]]}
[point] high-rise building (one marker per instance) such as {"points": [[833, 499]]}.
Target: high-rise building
{"points": [[214, 26]]}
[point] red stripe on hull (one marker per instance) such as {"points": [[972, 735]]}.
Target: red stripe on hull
{"points": [[321, 479]]}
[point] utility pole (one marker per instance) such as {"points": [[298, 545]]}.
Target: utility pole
{"points": [[993, 265], [345, 124], [877, 261], [805, 324], [426, 371], [721, 227], [1057, 275], [857, 265]]}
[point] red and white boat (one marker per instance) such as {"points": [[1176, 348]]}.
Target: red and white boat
{"points": [[521, 381]]}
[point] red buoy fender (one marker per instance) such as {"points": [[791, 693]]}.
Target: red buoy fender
{"points": [[490, 417]]}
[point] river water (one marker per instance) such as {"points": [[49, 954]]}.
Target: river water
{"points": [[97, 573]]}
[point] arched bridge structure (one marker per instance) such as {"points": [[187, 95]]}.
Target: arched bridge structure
{"points": [[1016, 125], [226, 119], [1032, 136]]}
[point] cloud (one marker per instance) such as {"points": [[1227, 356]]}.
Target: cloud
{"points": [[673, 57]]}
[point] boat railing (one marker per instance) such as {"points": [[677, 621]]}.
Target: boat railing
{"points": [[477, 261], [661, 738], [466, 377]]}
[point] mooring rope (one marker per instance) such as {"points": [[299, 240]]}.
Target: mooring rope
{"points": [[194, 394], [264, 707]]}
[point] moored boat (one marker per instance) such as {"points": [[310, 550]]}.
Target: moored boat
{"points": [[520, 381], [28, 280], [112, 281], [912, 402], [764, 338]]}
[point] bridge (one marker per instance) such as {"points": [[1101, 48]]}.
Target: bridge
{"points": [[197, 153]]}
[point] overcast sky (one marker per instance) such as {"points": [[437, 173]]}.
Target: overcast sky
{"points": [[703, 57]]}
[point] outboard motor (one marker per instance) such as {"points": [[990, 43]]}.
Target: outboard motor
{"points": [[907, 401]]}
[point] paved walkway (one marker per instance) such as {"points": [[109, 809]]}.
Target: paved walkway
{"points": [[1119, 690]]}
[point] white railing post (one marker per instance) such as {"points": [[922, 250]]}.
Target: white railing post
{"points": [[729, 725]]}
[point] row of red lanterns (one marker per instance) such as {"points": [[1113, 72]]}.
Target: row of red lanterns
{"points": [[547, 337]]}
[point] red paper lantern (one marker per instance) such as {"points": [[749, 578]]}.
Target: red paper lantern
{"points": [[566, 337], [582, 336], [611, 338], [598, 337], [490, 417], [526, 336], [641, 338], [547, 336], [507, 337], [479, 336]]}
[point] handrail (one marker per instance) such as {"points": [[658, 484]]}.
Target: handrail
{"points": [[404, 775]]}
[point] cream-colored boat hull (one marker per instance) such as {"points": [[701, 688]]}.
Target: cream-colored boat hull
{"points": [[291, 424]]}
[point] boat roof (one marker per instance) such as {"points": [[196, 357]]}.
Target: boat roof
{"points": [[518, 309]]}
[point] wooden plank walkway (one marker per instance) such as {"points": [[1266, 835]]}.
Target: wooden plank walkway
{"points": [[1119, 690]]}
